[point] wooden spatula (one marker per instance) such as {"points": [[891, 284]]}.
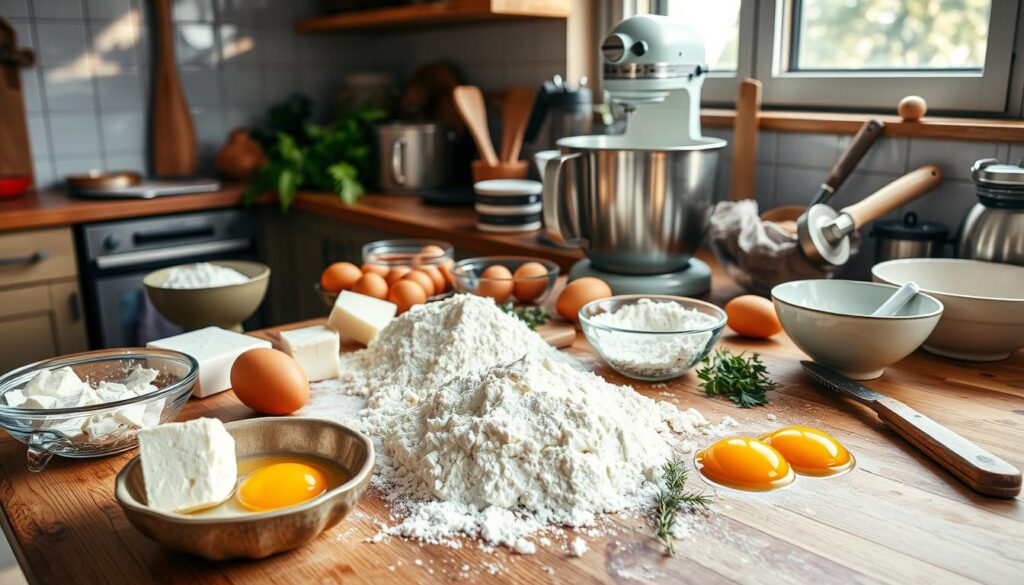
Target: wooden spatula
{"points": [[470, 102], [515, 114]]}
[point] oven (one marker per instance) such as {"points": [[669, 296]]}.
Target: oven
{"points": [[115, 256]]}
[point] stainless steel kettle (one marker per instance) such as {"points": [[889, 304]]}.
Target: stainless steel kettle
{"points": [[994, 229]]}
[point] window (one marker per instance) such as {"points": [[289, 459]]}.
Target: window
{"points": [[854, 54]]}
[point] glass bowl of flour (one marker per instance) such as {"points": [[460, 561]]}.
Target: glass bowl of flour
{"points": [[95, 403], [652, 337]]}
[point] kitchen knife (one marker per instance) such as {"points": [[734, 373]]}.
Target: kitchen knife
{"points": [[980, 470]]}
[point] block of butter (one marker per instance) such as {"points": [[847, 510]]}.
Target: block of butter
{"points": [[316, 350], [360, 317], [189, 465], [216, 350]]}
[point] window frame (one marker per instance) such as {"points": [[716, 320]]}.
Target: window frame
{"points": [[946, 91]]}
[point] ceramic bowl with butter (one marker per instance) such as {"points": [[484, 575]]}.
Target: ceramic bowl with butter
{"points": [[232, 532], [831, 321], [63, 418]]}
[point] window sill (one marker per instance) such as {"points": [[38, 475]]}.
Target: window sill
{"points": [[977, 129]]}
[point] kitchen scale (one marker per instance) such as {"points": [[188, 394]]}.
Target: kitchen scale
{"points": [[638, 204]]}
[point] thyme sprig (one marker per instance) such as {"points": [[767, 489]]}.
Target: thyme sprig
{"points": [[744, 380], [672, 496], [530, 315]]}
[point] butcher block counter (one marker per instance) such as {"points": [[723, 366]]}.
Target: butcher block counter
{"points": [[896, 518]]}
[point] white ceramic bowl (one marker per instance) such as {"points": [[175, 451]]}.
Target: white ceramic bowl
{"points": [[984, 316], [830, 320]]}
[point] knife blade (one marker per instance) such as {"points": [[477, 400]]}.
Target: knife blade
{"points": [[982, 471]]}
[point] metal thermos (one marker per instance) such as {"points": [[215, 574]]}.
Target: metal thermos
{"points": [[413, 156], [908, 238], [994, 229]]}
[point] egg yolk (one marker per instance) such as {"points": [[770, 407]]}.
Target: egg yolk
{"points": [[744, 463], [281, 485], [810, 451]]}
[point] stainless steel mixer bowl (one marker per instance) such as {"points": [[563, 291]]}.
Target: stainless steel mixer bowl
{"points": [[633, 210]]}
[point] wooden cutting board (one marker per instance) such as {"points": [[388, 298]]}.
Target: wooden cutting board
{"points": [[15, 149], [558, 333]]}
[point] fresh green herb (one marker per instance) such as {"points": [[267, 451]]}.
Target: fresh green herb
{"points": [[672, 495], [336, 157], [743, 380], [532, 316]]}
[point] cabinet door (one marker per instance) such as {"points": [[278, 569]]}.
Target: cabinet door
{"points": [[68, 318], [28, 339]]}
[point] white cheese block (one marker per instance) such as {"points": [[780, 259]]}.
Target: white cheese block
{"points": [[56, 383], [187, 466], [216, 350], [15, 398], [360, 317], [315, 349]]}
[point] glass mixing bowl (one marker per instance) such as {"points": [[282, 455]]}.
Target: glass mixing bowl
{"points": [[59, 431], [467, 276], [651, 355]]}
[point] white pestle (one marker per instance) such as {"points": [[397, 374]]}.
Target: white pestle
{"points": [[901, 297]]}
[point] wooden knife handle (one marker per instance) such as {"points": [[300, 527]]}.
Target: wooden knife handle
{"points": [[894, 195], [858, 147], [982, 471]]}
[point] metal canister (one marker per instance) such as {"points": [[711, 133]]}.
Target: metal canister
{"points": [[993, 229], [414, 156], [908, 238]]}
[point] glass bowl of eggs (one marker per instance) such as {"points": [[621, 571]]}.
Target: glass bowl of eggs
{"points": [[506, 278], [652, 337], [94, 403], [385, 263]]}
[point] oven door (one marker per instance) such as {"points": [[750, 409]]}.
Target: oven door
{"points": [[126, 317]]}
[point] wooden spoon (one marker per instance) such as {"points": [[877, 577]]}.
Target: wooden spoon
{"points": [[515, 114], [470, 102]]}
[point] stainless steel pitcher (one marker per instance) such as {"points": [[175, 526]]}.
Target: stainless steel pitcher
{"points": [[633, 210], [993, 229]]}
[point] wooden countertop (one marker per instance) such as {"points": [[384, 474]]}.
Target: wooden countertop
{"points": [[896, 518], [401, 214]]}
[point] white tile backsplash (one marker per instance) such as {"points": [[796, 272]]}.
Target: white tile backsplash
{"points": [[57, 8], [68, 93], [954, 157], [60, 44], [808, 149], [14, 8], [887, 155], [38, 136], [74, 135], [124, 131], [120, 91]]}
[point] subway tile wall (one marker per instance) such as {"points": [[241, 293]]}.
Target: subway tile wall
{"points": [[791, 166], [87, 99]]}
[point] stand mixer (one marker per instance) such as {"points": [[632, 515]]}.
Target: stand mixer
{"points": [[638, 204]]}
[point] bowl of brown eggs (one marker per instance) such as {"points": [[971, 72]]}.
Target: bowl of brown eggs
{"points": [[505, 278]]}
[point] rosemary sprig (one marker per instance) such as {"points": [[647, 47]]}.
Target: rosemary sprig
{"points": [[743, 380], [530, 315], [670, 498]]}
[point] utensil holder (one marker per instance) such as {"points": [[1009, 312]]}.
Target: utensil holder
{"points": [[506, 170]]}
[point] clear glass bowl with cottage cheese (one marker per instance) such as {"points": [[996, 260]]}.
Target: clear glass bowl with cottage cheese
{"points": [[94, 403], [652, 337]]}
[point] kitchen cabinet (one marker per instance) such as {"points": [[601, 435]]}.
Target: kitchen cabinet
{"points": [[40, 302]]}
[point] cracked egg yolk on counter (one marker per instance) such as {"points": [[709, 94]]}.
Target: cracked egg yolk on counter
{"points": [[810, 451], [744, 463]]}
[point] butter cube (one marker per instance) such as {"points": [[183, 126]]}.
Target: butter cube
{"points": [[360, 317], [216, 350], [316, 350], [15, 398], [188, 466]]}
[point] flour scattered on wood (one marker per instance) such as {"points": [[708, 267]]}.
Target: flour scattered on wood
{"points": [[487, 432]]}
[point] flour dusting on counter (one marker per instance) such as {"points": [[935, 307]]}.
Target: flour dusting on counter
{"points": [[487, 432]]}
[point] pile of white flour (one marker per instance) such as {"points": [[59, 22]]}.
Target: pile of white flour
{"points": [[487, 432], [202, 275], [652, 356]]}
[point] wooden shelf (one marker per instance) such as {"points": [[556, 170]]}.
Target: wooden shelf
{"points": [[434, 14]]}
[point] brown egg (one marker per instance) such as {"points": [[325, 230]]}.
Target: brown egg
{"points": [[371, 285], [436, 277], [912, 108], [428, 256], [406, 293], [753, 316], [496, 282], [531, 281], [423, 280], [446, 272], [378, 269], [340, 276], [269, 381], [396, 274], [578, 293]]}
